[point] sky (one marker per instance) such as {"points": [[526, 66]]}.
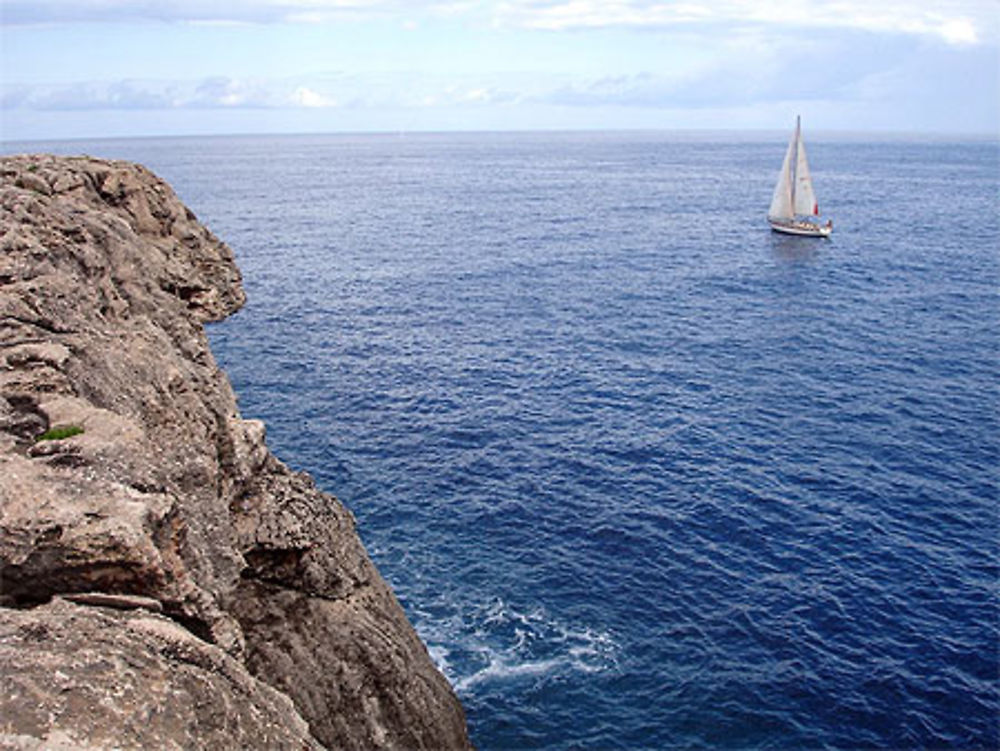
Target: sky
{"points": [[94, 68]]}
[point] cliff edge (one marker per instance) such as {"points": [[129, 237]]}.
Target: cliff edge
{"points": [[165, 581]]}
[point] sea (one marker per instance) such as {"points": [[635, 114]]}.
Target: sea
{"points": [[643, 473]]}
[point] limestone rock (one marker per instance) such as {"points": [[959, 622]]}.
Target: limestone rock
{"points": [[165, 511], [35, 183], [92, 677]]}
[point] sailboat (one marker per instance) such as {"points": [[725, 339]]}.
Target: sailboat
{"points": [[794, 209]]}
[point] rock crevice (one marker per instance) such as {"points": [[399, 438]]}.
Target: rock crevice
{"points": [[178, 574]]}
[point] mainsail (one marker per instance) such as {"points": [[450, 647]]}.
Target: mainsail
{"points": [[781, 201], [805, 199], [793, 195]]}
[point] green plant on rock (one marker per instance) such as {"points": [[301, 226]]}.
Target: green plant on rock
{"points": [[59, 432]]}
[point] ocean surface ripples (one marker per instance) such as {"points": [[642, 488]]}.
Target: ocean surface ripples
{"points": [[643, 474]]}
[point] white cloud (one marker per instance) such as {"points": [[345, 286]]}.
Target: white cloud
{"points": [[216, 92], [958, 31], [956, 22], [303, 96], [356, 91], [197, 11], [580, 14], [697, 55], [226, 92], [119, 95], [477, 95], [953, 21]]}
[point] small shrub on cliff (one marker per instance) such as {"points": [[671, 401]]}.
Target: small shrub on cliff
{"points": [[58, 433]]}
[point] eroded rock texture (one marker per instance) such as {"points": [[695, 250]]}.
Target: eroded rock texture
{"points": [[163, 566]]}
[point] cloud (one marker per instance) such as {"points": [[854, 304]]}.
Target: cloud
{"points": [[303, 96], [957, 22], [21, 12], [225, 92], [218, 92], [120, 95], [14, 97], [747, 69], [356, 91]]}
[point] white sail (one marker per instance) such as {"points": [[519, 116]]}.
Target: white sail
{"points": [[805, 198], [794, 199], [781, 201]]}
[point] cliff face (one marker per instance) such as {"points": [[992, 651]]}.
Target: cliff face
{"points": [[165, 581]]}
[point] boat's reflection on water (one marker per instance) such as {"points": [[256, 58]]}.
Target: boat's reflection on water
{"points": [[795, 248]]}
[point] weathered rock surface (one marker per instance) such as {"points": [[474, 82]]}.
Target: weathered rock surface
{"points": [[88, 677], [165, 581]]}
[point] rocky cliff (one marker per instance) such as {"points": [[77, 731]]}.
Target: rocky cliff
{"points": [[165, 581]]}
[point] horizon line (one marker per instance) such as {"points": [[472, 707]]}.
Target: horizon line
{"points": [[814, 134]]}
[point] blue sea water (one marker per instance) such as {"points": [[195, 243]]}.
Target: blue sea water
{"points": [[643, 474]]}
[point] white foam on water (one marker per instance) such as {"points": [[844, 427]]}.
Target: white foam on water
{"points": [[496, 642], [439, 656], [499, 669]]}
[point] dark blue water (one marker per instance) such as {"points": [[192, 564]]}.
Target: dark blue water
{"points": [[643, 474]]}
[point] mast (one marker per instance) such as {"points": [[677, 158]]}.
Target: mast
{"points": [[793, 167]]}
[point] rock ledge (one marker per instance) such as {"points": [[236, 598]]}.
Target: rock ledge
{"points": [[165, 581]]}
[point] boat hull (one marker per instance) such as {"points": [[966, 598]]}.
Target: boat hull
{"points": [[802, 229]]}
